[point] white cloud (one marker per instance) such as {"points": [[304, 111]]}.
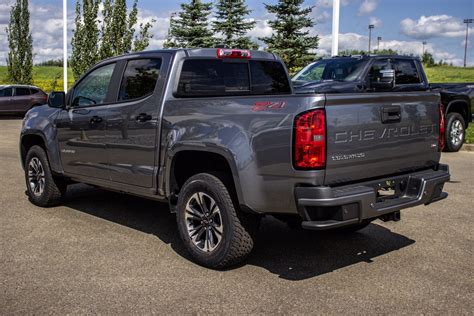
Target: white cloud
{"points": [[375, 21], [5, 13], [433, 26], [348, 41], [45, 27], [261, 29], [321, 17], [328, 3], [367, 7]]}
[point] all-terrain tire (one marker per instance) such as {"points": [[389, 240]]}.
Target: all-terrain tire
{"points": [[238, 228], [54, 188]]}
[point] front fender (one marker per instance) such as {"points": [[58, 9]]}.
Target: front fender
{"points": [[40, 121]]}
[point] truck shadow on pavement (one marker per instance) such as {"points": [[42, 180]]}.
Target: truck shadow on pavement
{"points": [[292, 254]]}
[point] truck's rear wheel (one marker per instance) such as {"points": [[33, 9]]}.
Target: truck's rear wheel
{"points": [[43, 189], [455, 131], [214, 232]]}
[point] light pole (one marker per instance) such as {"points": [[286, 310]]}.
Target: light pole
{"points": [[335, 28], [378, 42], [423, 51], [65, 45], [371, 26], [467, 21]]}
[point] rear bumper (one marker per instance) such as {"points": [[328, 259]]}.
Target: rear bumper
{"points": [[326, 207]]}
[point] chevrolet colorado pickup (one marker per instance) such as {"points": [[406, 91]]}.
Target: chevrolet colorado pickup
{"points": [[457, 98], [221, 135]]}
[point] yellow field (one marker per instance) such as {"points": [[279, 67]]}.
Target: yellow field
{"points": [[46, 78]]}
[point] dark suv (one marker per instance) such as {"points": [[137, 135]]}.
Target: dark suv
{"points": [[18, 99]]}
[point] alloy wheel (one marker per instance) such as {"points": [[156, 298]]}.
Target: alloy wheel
{"points": [[456, 132], [204, 222], [36, 176]]}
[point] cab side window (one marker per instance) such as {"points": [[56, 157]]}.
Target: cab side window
{"points": [[406, 72], [139, 79], [92, 90], [377, 66]]}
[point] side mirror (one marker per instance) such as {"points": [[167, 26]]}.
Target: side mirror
{"points": [[57, 100], [385, 80]]}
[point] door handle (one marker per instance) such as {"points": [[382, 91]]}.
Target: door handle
{"points": [[95, 119], [81, 111], [391, 114], [143, 117]]}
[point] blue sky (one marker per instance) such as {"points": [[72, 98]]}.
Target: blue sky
{"points": [[402, 24]]}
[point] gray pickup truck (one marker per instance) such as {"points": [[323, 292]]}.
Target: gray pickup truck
{"points": [[221, 135]]}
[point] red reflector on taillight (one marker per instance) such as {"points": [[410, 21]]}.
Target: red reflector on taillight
{"points": [[233, 53], [310, 140], [442, 128]]}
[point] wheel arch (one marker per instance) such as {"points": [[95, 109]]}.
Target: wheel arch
{"points": [[29, 140], [187, 161], [460, 106]]}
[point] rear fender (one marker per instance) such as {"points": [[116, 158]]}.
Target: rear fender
{"points": [[209, 148], [460, 106]]}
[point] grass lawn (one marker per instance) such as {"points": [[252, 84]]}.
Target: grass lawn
{"points": [[446, 74], [470, 134]]}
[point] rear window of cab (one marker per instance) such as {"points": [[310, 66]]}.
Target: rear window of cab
{"points": [[221, 77]]}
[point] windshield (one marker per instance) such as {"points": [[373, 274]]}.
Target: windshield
{"points": [[339, 69]]}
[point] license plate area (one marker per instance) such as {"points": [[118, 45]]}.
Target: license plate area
{"points": [[390, 189]]}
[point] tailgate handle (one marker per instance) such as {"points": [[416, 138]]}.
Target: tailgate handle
{"points": [[391, 114]]}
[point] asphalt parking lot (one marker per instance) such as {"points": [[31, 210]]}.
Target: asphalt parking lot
{"points": [[107, 253]]}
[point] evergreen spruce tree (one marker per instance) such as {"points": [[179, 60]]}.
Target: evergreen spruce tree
{"points": [[190, 28], [290, 39], [20, 44], [231, 24], [169, 41]]}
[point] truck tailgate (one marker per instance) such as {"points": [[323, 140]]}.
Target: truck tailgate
{"points": [[371, 135]]}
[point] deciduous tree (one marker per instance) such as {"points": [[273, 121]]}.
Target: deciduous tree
{"points": [[20, 44], [115, 34]]}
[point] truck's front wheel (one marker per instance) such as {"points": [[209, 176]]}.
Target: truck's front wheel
{"points": [[213, 231], [455, 131], [43, 188]]}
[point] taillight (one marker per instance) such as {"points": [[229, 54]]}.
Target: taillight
{"points": [[441, 137], [310, 140], [233, 53]]}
